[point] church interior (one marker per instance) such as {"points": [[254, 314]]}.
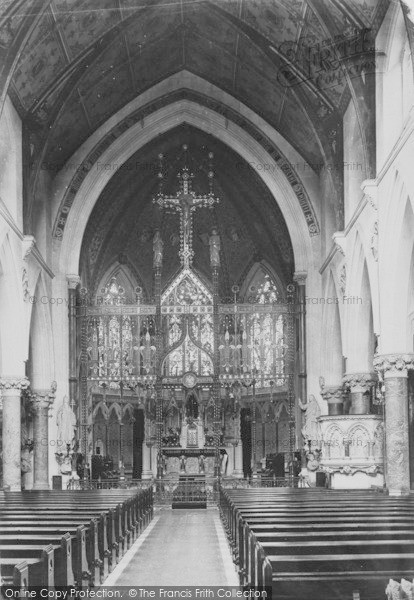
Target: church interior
{"points": [[207, 296]]}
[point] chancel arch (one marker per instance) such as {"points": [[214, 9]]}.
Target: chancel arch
{"points": [[160, 122], [221, 317]]}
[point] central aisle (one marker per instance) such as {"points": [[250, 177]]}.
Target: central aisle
{"points": [[179, 548]]}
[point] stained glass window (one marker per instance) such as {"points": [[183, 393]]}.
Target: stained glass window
{"points": [[263, 289], [188, 296], [267, 331]]}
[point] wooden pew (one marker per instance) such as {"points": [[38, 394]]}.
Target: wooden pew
{"points": [[40, 563], [308, 544], [110, 522], [62, 545]]}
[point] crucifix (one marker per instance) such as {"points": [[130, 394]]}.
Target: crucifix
{"points": [[185, 202]]}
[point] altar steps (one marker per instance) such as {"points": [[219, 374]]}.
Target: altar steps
{"points": [[190, 492]]}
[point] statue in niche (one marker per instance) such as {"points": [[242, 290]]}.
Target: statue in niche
{"points": [[157, 246], [224, 461], [66, 424], [201, 465], [192, 431], [214, 243], [310, 429], [191, 407]]}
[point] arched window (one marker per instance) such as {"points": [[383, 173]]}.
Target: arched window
{"points": [[187, 318], [267, 330], [252, 343], [261, 287]]}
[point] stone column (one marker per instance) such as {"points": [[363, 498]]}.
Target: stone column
{"points": [[359, 385], [334, 395], [11, 389], [395, 367], [238, 460], [238, 448], [40, 404], [146, 461], [300, 278], [73, 282]]}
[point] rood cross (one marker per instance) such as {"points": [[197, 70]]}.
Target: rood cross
{"points": [[185, 202]]}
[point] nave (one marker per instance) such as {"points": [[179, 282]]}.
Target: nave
{"points": [[283, 543], [180, 548]]}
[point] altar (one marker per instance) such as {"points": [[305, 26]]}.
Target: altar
{"points": [[188, 461]]}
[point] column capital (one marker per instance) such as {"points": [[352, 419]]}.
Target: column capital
{"points": [[359, 382], [43, 398], [394, 365], [73, 281], [332, 393], [17, 383], [300, 277]]}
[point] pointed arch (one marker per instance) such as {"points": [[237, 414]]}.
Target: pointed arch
{"points": [[100, 410], [256, 276], [141, 133], [125, 277], [359, 442]]}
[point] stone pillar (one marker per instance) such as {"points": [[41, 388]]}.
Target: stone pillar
{"points": [[73, 282], [334, 395], [395, 367], [359, 385], [40, 404], [300, 278], [238, 448], [11, 389], [146, 461], [238, 460]]}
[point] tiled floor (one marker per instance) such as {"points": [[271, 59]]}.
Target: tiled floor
{"points": [[180, 548]]}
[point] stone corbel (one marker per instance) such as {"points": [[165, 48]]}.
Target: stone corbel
{"points": [[339, 239], [28, 245], [370, 191]]}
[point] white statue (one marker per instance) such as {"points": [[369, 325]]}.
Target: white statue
{"points": [[310, 429], [214, 243], [157, 246], [67, 425]]}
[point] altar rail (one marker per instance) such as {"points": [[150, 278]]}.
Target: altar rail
{"points": [[164, 488]]}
